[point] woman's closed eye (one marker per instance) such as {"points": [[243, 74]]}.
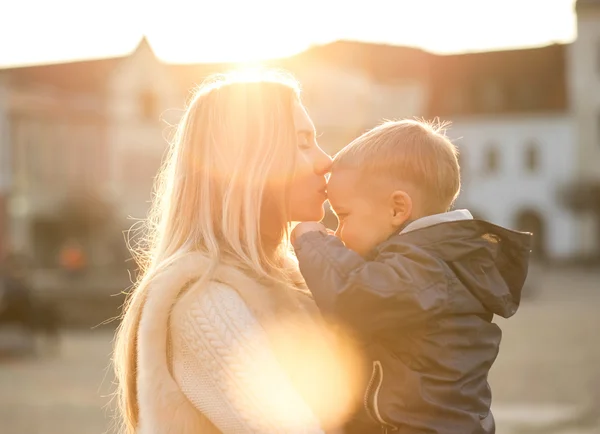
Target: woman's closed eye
{"points": [[306, 140]]}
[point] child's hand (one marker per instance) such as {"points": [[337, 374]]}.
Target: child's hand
{"points": [[305, 227]]}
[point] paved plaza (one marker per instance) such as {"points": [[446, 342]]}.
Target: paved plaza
{"points": [[546, 379]]}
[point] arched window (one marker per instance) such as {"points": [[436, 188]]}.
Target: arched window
{"points": [[492, 159], [532, 157], [149, 106], [529, 220]]}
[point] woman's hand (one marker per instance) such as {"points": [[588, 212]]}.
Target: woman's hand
{"points": [[305, 227]]}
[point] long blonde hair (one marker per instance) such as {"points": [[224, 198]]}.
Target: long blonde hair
{"points": [[223, 190]]}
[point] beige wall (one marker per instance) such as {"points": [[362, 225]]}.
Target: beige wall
{"points": [[56, 147], [583, 64], [137, 143], [584, 83], [345, 103]]}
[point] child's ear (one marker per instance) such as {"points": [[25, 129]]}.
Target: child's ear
{"points": [[401, 207]]}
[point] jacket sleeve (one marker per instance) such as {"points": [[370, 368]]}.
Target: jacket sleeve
{"points": [[223, 363], [396, 289]]}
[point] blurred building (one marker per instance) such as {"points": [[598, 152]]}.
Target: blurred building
{"points": [[84, 139], [528, 125], [5, 167], [512, 122], [87, 137]]}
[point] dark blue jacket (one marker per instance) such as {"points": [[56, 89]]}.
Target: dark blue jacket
{"points": [[423, 304]]}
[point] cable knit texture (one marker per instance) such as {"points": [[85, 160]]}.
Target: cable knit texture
{"points": [[218, 346], [206, 362]]}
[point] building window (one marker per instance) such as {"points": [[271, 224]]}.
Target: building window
{"points": [[492, 159], [149, 105], [532, 157]]}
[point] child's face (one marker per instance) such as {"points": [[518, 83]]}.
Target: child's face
{"points": [[366, 218]]}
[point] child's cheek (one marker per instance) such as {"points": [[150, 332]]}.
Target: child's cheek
{"points": [[348, 236]]}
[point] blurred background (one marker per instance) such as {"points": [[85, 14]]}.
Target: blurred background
{"points": [[88, 94]]}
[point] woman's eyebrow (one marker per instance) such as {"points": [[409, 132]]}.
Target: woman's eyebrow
{"points": [[310, 133]]}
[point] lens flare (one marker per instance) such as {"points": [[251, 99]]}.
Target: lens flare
{"points": [[322, 363]]}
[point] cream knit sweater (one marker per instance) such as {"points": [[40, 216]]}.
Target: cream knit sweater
{"points": [[215, 341], [205, 363]]}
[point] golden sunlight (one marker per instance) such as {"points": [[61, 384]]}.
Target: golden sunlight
{"points": [[264, 29], [248, 51], [181, 31], [323, 370], [228, 31]]}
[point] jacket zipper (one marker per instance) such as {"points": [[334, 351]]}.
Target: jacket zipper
{"points": [[371, 399]]}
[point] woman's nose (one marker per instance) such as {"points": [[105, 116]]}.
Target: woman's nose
{"points": [[323, 162]]}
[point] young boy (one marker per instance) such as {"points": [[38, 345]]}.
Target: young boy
{"points": [[418, 284]]}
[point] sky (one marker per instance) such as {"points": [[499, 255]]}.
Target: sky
{"points": [[182, 31]]}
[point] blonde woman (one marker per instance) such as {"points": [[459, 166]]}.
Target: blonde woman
{"points": [[219, 334]]}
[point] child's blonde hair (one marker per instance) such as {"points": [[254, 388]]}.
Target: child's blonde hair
{"points": [[409, 151]]}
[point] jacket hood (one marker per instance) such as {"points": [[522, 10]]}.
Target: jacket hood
{"points": [[490, 261]]}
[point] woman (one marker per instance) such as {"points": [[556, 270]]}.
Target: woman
{"points": [[219, 334]]}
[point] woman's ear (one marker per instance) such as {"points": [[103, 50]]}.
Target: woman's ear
{"points": [[401, 208]]}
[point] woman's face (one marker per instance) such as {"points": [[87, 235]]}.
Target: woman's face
{"points": [[308, 191]]}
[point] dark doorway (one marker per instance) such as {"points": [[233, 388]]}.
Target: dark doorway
{"points": [[532, 221]]}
